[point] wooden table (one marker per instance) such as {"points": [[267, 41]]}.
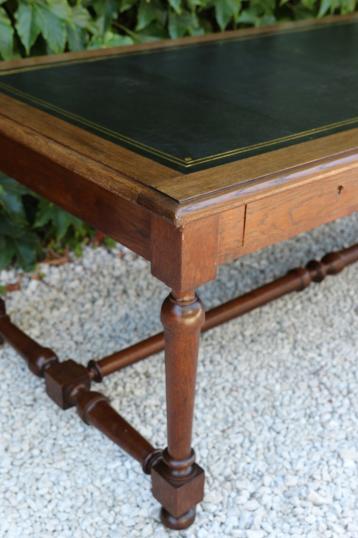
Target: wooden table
{"points": [[191, 153]]}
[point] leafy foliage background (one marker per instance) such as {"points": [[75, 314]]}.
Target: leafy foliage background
{"points": [[29, 225], [53, 26]]}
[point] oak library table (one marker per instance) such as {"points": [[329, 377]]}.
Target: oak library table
{"points": [[191, 153]]}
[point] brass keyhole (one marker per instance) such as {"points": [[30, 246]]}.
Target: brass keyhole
{"points": [[340, 189]]}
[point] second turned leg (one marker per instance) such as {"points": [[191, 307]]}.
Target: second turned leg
{"points": [[178, 482]]}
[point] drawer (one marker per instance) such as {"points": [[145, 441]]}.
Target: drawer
{"points": [[231, 233], [298, 209]]}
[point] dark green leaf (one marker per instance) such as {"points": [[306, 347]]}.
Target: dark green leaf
{"points": [[62, 221], [176, 5], [153, 32], [6, 36], [109, 242], [226, 11], [13, 186], [9, 227], [124, 5], [12, 204], [26, 26], [347, 6], [76, 38], [309, 4], [107, 11], [325, 7], [52, 27], [7, 252], [80, 16], [193, 4], [184, 24], [26, 251], [44, 214], [60, 8], [148, 12], [109, 39]]}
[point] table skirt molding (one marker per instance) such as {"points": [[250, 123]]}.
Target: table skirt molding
{"points": [[177, 481]]}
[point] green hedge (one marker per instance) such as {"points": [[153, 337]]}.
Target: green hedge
{"points": [[31, 226], [53, 26]]}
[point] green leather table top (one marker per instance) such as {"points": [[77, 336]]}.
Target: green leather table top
{"points": [[200, 105]]}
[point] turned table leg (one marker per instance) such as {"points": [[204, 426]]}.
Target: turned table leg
{"points": [[178, 482]]}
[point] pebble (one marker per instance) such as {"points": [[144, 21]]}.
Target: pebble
{"points": [[255, 534], [349, 457], [252, 505], [317, 499]]}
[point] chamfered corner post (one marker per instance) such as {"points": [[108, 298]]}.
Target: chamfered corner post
{"points": [[177, 481], [183, 257]]}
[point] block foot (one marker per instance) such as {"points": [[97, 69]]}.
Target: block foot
{"points": [[178, 495], [177, 523]]}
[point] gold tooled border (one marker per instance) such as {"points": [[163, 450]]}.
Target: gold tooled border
{"points": [[186, 162]]}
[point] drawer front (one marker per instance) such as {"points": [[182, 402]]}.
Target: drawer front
{"points": [[231, 233], [298, 209]]}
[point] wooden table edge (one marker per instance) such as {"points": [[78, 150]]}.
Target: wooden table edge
{"points": [[36, 129]]}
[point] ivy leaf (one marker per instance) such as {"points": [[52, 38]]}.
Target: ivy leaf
{"points": [[176, 5], [124, 5], [107, 11], [49, 214], [225, 11], [153, 32], [76, 38], [80, 16], [6, 36], [248, 16], [80, 21], [62, 220], [17, 242], [193, 4], [264, 8], [109, 39], [26, 251], [26, 26], [326, 5], [7, 227], [60, 8], [9, 184], [309, 4], [12, 204], [7, 252], [184, 24], [44, 214], [149, 12], [52, 26], [266, 19], [348, 6]]}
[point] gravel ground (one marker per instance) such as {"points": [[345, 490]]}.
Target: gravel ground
{"points": [[276, 417]]}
